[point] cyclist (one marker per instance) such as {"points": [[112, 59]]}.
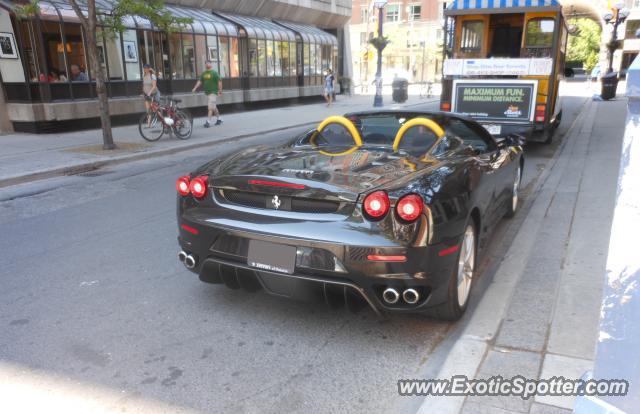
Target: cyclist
{"points": [[149, 89]]}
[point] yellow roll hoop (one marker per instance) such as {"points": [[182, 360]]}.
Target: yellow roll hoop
{"points": [[432, 125], [349, 126]]}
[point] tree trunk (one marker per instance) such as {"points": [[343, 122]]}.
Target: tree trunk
{"points": [[89, 24], [101, 90]]}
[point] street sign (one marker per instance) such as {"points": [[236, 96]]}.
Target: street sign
{"points": [[509, 101]]}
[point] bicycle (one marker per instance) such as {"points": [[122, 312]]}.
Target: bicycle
{"points": [[165, 118]]}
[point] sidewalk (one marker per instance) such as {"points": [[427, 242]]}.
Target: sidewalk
{"points": [[539, 314], [28, 157]]}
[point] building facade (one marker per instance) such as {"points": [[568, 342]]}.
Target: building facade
{"points": [[274, 49], [414, 29], [631, 43]]}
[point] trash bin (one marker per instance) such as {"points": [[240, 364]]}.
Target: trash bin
{"points": [[609, 85], [400, 88]]}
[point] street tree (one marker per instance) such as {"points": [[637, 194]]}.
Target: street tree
{"points": [[97, 23], [584, 46]]}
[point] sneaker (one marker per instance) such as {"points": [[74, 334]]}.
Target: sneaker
{"points": [[218, 122], [207, 124]]}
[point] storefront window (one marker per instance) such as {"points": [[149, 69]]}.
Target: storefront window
{"points": [[31, 45], [53, 50], [113, 57], [201, 53], [75, 52], [175, 56], [277, 58], [253, 57], [235, 58], [270, 57], [262, 58], [313, 60], [212, 52], [145, 42], [224, 57], [293, 68], [284, 52], [131, 58], [306, 59], [188, 56], [162, 59]]}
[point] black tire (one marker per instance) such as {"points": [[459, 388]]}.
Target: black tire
{"points": [[152, 133], [515, 194], [451, 310], [558, 119], [184, 124]]}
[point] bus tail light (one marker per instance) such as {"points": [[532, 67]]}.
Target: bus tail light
{"points": [[540, 113], [445, 106]]}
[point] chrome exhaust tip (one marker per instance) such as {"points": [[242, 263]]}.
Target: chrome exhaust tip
{"points": [[182, 255], [190, 262], [390, 296], [411, 296]]}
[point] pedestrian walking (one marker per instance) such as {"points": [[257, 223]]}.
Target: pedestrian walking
{"points": [[328, 86], [150, 89], [212, 85]]}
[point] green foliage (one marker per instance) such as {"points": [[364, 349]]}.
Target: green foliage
{"points": [[152, 10], [379, 42], [585, 45], [112, 20], [23, 11]]}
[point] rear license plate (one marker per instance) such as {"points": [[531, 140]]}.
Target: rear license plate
{"points": [[271, 257], [493, 129]]}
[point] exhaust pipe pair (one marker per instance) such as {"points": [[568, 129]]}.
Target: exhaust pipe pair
{"points": [[188, 259], [391, 296]]}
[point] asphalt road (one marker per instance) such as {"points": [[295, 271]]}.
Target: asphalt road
{"points": [[93, 296]]}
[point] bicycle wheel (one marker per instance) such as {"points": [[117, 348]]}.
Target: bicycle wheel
{"points": [[183, 126], [150, 131]]}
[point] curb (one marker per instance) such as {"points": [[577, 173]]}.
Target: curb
{"points": [[83, 167]]}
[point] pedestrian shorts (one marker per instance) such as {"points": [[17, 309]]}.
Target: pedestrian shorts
{"points": [[212, 100]]}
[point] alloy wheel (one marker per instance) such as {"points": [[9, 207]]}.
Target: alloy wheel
{"points": [[466, 263]]}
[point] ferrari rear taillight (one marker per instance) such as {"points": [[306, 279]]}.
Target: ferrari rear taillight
{"points": [[376, 204], [182, 185], [540, 113], [198, 186], [409, 207]]}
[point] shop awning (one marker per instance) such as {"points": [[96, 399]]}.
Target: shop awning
{"points": [[310, 34], [203, 22], [498, 6], [260, 28]]}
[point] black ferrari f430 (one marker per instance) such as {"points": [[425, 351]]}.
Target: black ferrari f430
{"points": [[380, 208]]}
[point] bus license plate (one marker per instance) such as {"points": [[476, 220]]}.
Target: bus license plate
{"points": [[493, 129]]}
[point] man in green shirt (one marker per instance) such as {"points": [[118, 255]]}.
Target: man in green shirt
{"points": [[212, 85]]}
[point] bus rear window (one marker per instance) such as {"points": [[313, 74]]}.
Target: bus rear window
{"points": [[540, 32], [472, 33]]}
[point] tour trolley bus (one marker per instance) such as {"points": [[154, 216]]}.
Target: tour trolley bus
{"points": [[504, 60]]}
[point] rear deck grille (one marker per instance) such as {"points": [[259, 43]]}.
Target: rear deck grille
{"points": [[299, 205]]}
